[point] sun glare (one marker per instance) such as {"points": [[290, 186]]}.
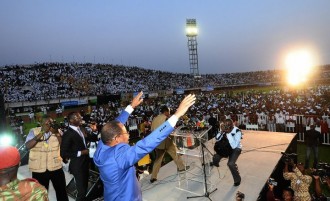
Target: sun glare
{"points": [[299, 65]]}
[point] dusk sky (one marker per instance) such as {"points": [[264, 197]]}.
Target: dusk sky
{"points": [[234, 35]]}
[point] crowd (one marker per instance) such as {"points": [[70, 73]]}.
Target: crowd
{"points": [[48, 81], [274, 110]]}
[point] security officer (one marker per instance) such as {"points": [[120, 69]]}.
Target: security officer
{"points": [[10, 187]]}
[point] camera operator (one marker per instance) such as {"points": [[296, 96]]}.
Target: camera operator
{"points": [[321, 176], [45, 161], [92, 132], [327, 180], [300, 182], [318, 195], [287, 193], [92, 136]]}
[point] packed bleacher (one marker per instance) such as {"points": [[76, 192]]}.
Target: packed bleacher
{"points": [[48, 81]]}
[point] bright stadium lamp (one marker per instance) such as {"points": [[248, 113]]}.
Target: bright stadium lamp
{"points": [[191, 27]]}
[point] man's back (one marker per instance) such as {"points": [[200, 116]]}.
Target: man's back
{"points": [[27, 189], [157, 121]]}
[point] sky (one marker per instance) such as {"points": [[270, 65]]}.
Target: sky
{"points": [[234, 35]]}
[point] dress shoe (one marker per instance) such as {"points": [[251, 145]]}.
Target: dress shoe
{"points": [[186, 168], [237, 183], [216, 160], [153, 180], [214, 164]]}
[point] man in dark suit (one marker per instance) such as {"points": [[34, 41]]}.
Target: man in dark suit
{"points": [[74, 147], [215, 126]]}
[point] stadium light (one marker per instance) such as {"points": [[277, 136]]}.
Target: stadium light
{"points": [[191, 27], [191, 33]]}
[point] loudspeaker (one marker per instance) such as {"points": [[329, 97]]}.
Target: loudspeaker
{"points": [[94, 189]]}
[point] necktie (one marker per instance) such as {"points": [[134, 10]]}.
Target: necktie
{"points": [[81, 135]]}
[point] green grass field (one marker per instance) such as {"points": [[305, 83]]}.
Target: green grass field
{"points": [[324, 151]]}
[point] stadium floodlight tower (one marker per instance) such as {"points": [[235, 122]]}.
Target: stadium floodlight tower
{"points": [[191, 33]]}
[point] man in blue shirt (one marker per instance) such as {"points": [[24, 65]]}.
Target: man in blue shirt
{"points": [[115, 158]]}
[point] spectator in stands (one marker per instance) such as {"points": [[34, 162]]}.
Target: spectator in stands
{"points": [[324, 128], [45, 161], [280, 121], [300, 181], [271, 126], [245, 120], [58, 111], [145, 127], [31, 116], [312, 141], [115, 158], [167, 145], [12, 188], [21, 124]]}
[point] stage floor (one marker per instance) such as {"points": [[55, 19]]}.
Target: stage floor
{"points": [[261, 152]]}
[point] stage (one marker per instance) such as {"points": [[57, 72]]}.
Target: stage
{"points": [[261, 152]]}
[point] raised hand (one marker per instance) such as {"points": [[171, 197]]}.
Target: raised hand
{"points": [[137, 100], [185, 104]]}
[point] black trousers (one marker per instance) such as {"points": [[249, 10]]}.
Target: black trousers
{"points": [[58, 180], [81, 179]]}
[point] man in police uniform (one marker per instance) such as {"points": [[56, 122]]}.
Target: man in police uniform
{"points": [[10, 187]]}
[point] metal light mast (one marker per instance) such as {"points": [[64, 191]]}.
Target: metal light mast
{"points": [[191, 33]]}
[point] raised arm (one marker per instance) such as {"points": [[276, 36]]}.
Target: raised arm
{"points": [[318, 190], [149, 143], [137, 100], [184, 105]]}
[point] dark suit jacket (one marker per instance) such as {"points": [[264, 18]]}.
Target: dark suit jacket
{"points": [[72, 142]]}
